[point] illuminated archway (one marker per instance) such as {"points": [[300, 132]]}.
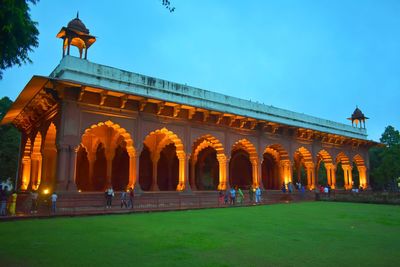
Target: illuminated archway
{"points": [[36, 161], [111, 157], [168, 160], [304, 167], [208, 164], [243, 165], [49, 159], [343, 171], [325, 169], [276, 167]]}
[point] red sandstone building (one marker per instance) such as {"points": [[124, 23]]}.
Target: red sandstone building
{"points": [[88, 126]]}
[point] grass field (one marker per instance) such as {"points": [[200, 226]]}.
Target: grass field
{"points": [[303, 234]]}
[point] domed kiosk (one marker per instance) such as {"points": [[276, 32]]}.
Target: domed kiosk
{"points": [[76, 34]]}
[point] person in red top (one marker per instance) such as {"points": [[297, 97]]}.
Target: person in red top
{"points": [[321, 189]]}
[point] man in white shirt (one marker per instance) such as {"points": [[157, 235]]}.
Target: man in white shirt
{"points": [[53, 202]]}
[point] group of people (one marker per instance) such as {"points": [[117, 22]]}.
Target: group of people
{"points": [[290, 187], [235, 195], [7, 201], [35, 202], [126, 198]]}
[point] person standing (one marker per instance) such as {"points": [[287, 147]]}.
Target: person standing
{"points": [[233, 195], [258, 195], [109, 196], [13, 203], [34, 198], [3, 201], [131, 197], [53, 202], [221, 197], [240, 196], [226, 197], [251, 194], [123, 199]]}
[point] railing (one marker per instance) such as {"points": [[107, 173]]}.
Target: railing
{"points": [[95, 203]]}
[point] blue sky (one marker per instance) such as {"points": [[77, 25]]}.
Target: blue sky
{"points": [[316, 57]]}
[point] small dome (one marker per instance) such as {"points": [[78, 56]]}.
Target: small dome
{"points": [[77, 25], [357, 114]]}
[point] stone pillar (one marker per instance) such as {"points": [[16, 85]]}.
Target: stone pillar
{"points": [[26, 172], [350, 175], [362, 173], [62, 167], [154, 185], [137, 188], [328, 168], [91, 156], [71, 184], [132, 170], [254, 172], [333, 176], [310, 175], [186, 174], [183, 183], [223, 178], [259, 173], [193, 173], [109, 157]]}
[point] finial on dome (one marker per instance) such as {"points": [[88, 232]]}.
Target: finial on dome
{"points": [[77, 14]]}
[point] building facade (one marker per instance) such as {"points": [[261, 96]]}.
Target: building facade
{"points": [[86, 127]]}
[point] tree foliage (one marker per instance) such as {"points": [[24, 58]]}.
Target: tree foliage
{"points": [[385, 161], [9, 144], [18, 33]]}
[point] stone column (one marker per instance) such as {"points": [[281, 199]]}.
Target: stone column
{"points": [[132, 169], [310, 175], [62, 167], [26, 172], [91, 156], [333, 176], [71, 184], [328, 168], [259, 173], [186, 174], [109, 157], [136, 186], [254, 172], [350, 175], [183, 181], [193, 173], [154, 185], [223, 179], [287, 171], [362, 173]]}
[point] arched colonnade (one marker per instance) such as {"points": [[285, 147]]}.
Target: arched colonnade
{"points": [[107, 156]]}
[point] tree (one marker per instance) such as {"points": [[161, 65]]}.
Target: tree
{"points": [[390, 136], [385, 161], [9, 144], [18, 33]]}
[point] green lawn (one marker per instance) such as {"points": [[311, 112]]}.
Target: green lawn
{"points": [[303, 234]]}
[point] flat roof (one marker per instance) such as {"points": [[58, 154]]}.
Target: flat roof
{"points": [[113, 79]]}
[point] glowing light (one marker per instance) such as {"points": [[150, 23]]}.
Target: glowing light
{"points": [[46, 191]]}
